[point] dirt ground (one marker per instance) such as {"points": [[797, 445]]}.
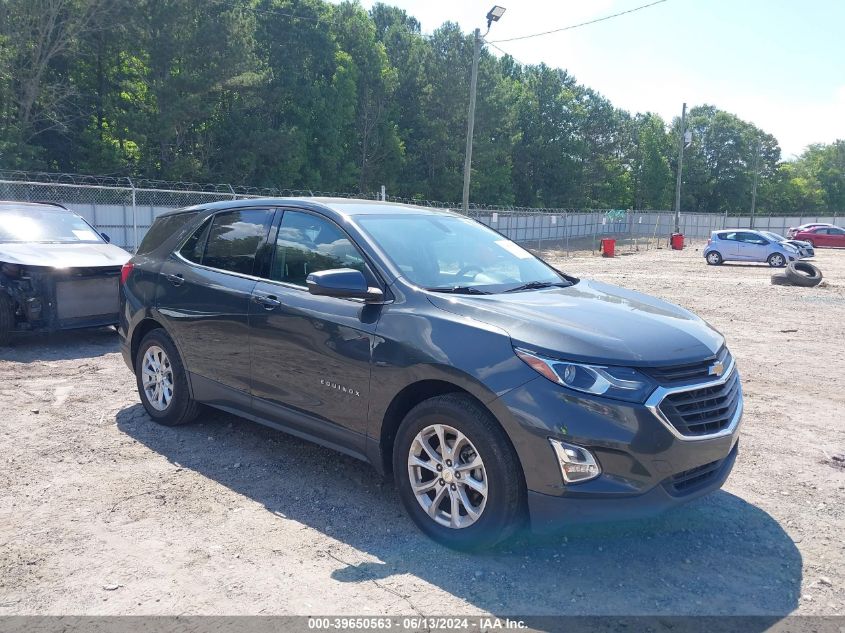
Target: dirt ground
{"points": [[103, 512]]}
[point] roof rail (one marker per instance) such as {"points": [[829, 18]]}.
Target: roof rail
{"points": [[50, 202]]}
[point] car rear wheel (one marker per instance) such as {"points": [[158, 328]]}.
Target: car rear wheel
{"points": [[714, 258], [776, 260], [162, 381], [7, 318], [458, 475]]}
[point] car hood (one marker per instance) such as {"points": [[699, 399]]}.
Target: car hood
{"points": [[799, 243], [594, 322], [63, 255]]}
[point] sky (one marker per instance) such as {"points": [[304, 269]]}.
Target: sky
{"points": [[777, 63]]}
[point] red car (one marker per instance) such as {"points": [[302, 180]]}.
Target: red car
{"points": [[795, 230], [823, 236]]}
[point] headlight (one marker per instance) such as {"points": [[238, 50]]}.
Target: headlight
{"points": [[620, 383]]}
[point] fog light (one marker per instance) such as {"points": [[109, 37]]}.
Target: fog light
{"points": [[577, 464]]}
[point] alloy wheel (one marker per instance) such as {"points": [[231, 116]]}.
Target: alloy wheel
{"points": [[776, 260], [447, 476], [157, 378]]}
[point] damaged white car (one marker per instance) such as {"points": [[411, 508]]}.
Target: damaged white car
{"points": [[56, 271]]}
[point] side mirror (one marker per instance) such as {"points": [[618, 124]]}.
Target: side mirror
{"points": [[346, 283], [106, 237]]}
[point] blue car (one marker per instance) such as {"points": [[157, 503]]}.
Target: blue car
{"points": [[745, 245]]}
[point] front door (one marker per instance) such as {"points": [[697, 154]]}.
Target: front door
{"points": [[205, 292], [752, 247], [311, 354]]}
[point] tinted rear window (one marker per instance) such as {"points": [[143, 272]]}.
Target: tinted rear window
{"points": [[163, 228], [234, 239]]}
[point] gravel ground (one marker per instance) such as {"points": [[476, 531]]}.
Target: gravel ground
{"points": [[103, 512]]}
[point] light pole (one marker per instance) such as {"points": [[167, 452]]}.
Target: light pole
{"points": [[492, 16]]}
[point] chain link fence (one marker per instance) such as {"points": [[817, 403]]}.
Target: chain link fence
{"points": [[124, 209]]}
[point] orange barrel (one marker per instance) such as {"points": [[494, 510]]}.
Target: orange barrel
{"points": [[608, 246], [678, 241]]}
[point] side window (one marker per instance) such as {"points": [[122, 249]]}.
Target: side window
{"points": [[751, 238], [233, 239], [307, 244], [728, 236], [195, 245]]}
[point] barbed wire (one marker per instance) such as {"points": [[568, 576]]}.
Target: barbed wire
{"points": [[225, 190]]}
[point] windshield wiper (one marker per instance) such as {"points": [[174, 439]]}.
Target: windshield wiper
{"points": [[460, 290], [536, 285]]}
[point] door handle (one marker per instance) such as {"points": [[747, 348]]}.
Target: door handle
{"points": [[269, 302], [176, 280]]}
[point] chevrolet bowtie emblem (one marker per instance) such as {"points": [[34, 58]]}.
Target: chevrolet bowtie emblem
{"points": [[717, 368]]}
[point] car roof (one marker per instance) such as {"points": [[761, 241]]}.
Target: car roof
{"points": [[339, 206]]}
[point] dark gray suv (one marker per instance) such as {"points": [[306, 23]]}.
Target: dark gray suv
{"points": [[493, 387]]}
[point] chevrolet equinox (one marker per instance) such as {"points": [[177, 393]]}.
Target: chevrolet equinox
{"points": [[491, 386]]}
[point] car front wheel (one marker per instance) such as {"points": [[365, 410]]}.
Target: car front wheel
{"points": [[162, 381], [458, 475], [776, 260]]}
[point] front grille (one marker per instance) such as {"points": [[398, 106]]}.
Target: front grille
{"points": [[703, 411], [690, 480], [692, 372]]}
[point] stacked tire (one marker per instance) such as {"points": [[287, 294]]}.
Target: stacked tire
{"points": [[799, 273]]}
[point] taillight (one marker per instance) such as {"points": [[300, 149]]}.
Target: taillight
{"points": [[708, 241], [125, 272]]}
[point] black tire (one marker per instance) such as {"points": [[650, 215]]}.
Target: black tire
{"points": [[714, 258], [803, 274], [780, 279], [504, 511], [181, 409], [776, 260], [7, 318]]}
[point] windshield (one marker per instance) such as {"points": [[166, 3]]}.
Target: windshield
{"points": [[45, 225], [441, 252]]}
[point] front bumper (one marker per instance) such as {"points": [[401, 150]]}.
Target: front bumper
{"points": [[550, 513], [645, 463]]}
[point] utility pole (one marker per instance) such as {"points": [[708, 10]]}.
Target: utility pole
{"points": [[471, 119], [681, 142], [756, 178]]}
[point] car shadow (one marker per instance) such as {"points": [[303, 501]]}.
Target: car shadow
{"points": [[716, 556], [28, 347], [758, 265]]}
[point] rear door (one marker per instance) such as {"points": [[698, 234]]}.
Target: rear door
{"points": [[728, 245], [835, 237], [204, 295], [311, 354]]}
